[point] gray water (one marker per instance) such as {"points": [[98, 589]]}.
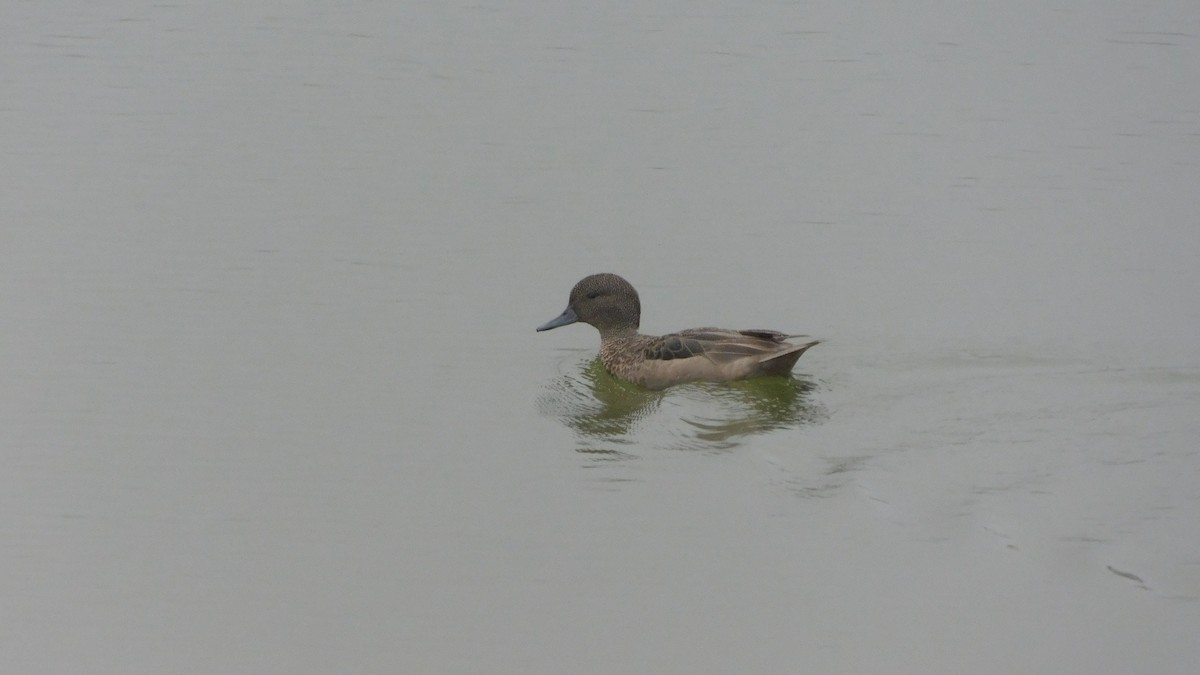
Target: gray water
{"points": [[272, 401]]}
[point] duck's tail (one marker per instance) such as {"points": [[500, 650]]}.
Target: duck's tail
{"points": [[782, 362]]}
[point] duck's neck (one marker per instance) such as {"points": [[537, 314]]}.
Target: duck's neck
{"points": [[618, 334]]}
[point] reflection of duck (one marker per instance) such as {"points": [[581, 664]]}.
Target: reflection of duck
{"points": [[597, 405], [755, 407], [605, 411], [611, 304]]}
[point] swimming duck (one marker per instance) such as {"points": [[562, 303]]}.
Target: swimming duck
{"points": [[611, 305]]}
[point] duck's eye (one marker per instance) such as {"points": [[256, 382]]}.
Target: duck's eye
{"points": [[592, 295]]}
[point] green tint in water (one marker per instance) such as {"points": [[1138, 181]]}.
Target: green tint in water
{"points": [[598, 407], [608, 414], [754, 406]]}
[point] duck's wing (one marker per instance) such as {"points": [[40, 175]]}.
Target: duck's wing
{"points": [[713, 354], [674, 347], [719, 345], [772, 335]]}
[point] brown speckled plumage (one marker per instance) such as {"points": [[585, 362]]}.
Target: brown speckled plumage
{"points": [[611, 304]]}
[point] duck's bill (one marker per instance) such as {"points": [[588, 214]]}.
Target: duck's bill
{"points": [[566, 318]]}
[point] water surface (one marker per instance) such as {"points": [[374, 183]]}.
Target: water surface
{"points": [[272, 400]]}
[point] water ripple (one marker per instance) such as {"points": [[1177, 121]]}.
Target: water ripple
{"points": [[610, 416]]}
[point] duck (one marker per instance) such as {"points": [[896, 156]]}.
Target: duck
{"points": [[610, 304]]}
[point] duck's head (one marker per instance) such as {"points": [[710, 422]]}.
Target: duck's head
{"points": [[605, 301]]}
